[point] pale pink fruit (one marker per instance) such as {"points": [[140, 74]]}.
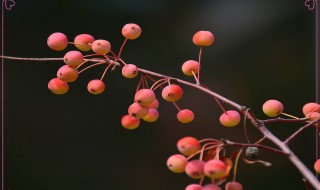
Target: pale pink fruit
{"points": [[185, 116], [58, 86], [211, 187], [203, 38], [230, 118], [138, 111], [154, 104], [188, 145], [172, 93], [130, 71], [313, 116], [272, 108], [83, 42], [144, 96], [194, 169], [57, 41], [194, 187], [215, 169], [152, 115], [317, 166], [96, 86], [233, 185], [177, 163], [129, 122], [131, 31], [101, 47], [190, 66], [73, 58], [310, 107], [67, 73]]}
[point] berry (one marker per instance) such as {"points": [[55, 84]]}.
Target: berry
{"points": [[317, 166], [252, 152], [129, 122], [194, 169], [177, 163], [188, 145], [130, 71], [230, 118], [73, 58], [138, 111], [310, 107], [96, 86], [190, 66], [313, 116], [152, 115], [194, 187], [144, 97], [67, 73], [131, 31], [185, 116], [58, 86], [211, 187], [272, 108], [172, 93], [101, 47], [203, 38], [233, 185], [83, 42], [57, 41], [215, 169], [154, 104]]}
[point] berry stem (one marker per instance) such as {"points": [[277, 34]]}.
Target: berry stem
{"points": [[93, 65], [157, 85], [195, 77], [105, 71], [200, 54], [176, 105], [300, 130], [122, 46], [236, 164], [288, 115]]}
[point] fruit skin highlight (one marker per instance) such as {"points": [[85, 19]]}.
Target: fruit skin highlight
{"points": [[177, 163], [203, 38], [272, 108], [230, 118], [57, 41]]}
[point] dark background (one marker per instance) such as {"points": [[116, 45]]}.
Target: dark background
{"points": [[264, 49]]}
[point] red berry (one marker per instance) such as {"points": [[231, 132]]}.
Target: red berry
{"points": [[215, 169], [67, 73], [57, 41], [185, 116], [272, 108], [96, 86], [172, 93], [194, 169], [313, 116], [317, 166], [233, 185], [130, 71], [152, 115], [154, 104], [131, 31], [58, 86], [194, 187], [211, 187], [177, 163], [230, 118], [190, 66], [129, 122], [310, 107], [203, 38], [83, 42], [138, 111], [188, 145], [144, 97], [73, 58], [101, 47]]}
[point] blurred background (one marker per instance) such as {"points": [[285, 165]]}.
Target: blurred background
{"points": [[264, 49]]}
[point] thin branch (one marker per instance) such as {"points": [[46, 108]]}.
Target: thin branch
{"points": [[300, 130]]}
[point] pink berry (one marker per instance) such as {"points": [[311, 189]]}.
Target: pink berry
{"points": [[177, 163], [310, 107], [215, 169], [58, 86], [313, 116], [233, 185], [131, 31], [188, 145], [194, 169], [317, 166], [130, 71], [272, 108], [73, 58], [57, 41], [152, 115], [83, 42], [185, 116], [101, 47], [129, 122], [154, 104], [211, 187], [144, 97], [194, 187], [172, 93], [230, 118], [96, 86], [190, 66], [203, 38], [67, 73], [138, 111]]}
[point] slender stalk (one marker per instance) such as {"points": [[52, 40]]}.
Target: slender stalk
{"points": [[300, 130]]}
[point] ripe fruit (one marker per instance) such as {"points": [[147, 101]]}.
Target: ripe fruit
{"points": [[211, 187], [233, 185], [130, 71], [215, 169], [57, 41], [58, 86], [144, 97], [177, 163], [131, 31], [138, 111], [101, 47], [194, 187], [83, 42], [172, 93], [67, 73], [154, 104], [190, 66], [152, 115], [313, 116], [129, 122], [73, 58], [203, 38], [317, 166], [194, 169], [272, 108], [96, 86], [188, 145], [185, 116], [230, 118], [310, 107]]}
